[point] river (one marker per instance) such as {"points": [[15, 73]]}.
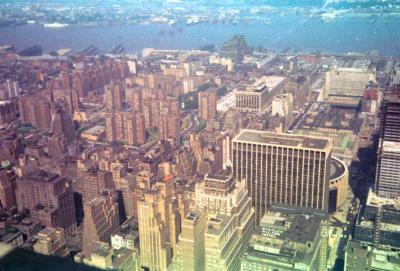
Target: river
{"points": [[343, 34]]}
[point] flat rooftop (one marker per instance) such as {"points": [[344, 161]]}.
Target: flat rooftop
{"points": [[273, 220], [332, 117], [216, 225], [302, 229], [42, 176], [221, 175], [273, 81], [281, 139], [354, 64], [95, 130], [374, 200], [263, 84]]}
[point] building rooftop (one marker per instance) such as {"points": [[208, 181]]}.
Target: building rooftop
{"points": [[216, 225], [381, 258], [385, 260], [221, 175], [302, 229], [121, 256], [273, 220], [43, 176], [354, 65], [128, 229], [47, 231], [332, 117], [95, 130], [390, 227], [263, 84], [374, 200], [281, 139], [338, 168], [294, 245]]}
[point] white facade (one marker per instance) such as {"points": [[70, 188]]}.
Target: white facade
{"points": [[282, 105], [348, 81]]}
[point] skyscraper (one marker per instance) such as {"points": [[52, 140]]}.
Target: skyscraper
{"points": [[155, 251], [62, 125], [208, 104], [169, 127], [389, 116], [230, 220], [100, 221], [49, 198], [114, 93], [126, 126], [283, 169], [388, 174], [190, 247], [35, 110], [8, 112], [90, 179], [7, 187], [159, 225], [387, 171]]}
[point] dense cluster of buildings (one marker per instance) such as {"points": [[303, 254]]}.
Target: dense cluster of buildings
{"points": [[191, 160]]}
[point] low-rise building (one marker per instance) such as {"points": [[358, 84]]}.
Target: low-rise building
{"points": [[294, 242], [107, 258], [51, 242], [126, 236]]}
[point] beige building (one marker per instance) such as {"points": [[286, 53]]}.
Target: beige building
{"points": [[159, 227], [348, 81], [230, 220], [283, 169], [257, 97], [107, 258], [51, 242], [338, 184], [190, 247], [208, 104], [282, 108], [228, 63], [95, 133]]}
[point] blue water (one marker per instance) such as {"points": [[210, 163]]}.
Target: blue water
{"points": [[294, 31]]}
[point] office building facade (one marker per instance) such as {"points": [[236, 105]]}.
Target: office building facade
{"points": [[388, 170], [283, 169]]}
